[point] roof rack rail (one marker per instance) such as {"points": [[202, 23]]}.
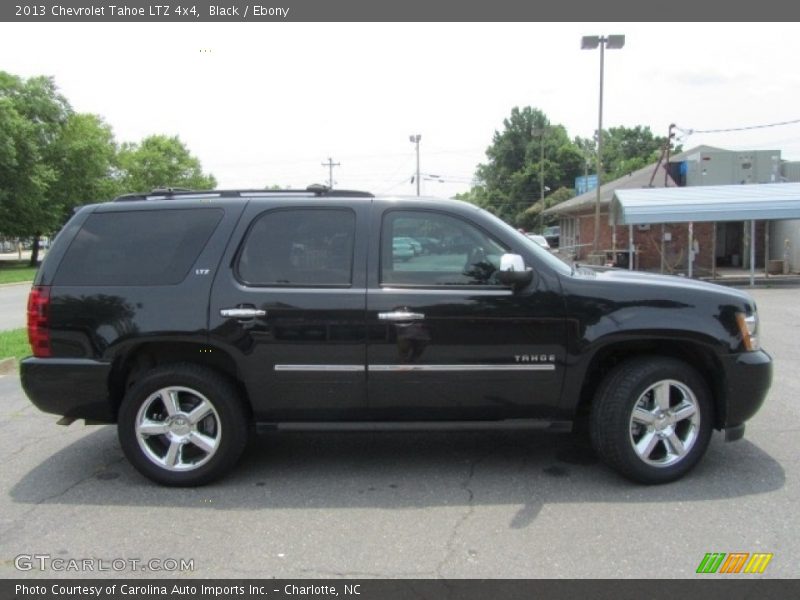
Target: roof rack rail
{"points": [[171, 190], [314, 190]]}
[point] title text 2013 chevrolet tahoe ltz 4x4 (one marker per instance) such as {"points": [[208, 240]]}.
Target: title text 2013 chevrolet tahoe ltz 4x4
{"points": [[189, 317]]}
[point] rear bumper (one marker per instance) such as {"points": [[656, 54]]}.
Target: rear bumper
{"points": [[747, 380], [72, 387]]}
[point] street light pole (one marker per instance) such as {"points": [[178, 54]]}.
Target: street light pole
{"points": [[590, 42], [596, 243], [415, 140]]}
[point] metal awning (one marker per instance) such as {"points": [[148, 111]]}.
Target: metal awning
{"points": [[769, 201]]}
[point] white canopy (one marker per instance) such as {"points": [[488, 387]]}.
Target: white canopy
{"points": [[769, 201]]}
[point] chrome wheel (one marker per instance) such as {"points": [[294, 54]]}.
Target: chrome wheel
{"points": [[665, 423], [178, 429]]}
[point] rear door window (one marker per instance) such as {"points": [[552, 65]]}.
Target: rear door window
{"points": [[299, 247]]}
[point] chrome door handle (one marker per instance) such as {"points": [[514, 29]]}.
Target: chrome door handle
{"points": [[242, 313], [400, 315]]}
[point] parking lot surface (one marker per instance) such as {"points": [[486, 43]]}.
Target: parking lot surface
{"points": [[478, 505]]}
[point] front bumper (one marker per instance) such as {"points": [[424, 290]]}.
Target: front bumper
{"points": [[747, 379], [73, 387]]}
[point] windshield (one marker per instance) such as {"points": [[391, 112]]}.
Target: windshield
{"points": [[541, 253]]}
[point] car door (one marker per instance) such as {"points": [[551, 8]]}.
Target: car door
{"points": [[446, 340], [289, 303]]}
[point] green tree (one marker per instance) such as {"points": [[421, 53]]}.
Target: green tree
{"points": [[477, 195], [625, 149], [160, 161], [528, 150], [84, 157], [52, 159], [588, 149], [530, 219], [32, 115]]}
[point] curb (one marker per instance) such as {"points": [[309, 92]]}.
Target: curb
{"points": [[16, 283], [7, 365]]}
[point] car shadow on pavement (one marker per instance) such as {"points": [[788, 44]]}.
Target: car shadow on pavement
{"points": [[395, 470]]}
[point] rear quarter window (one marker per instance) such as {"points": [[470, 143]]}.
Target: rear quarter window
{"points": [[146, 247]]}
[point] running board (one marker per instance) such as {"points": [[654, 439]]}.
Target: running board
{"points": [[505, 424]]}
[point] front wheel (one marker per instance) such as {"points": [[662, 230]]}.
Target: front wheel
{"points": [[182, 425], [652, 419]]}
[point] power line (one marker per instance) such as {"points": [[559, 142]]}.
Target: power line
{"points": [[399, 183], [691, 131], [402, 167], [447, 178]]}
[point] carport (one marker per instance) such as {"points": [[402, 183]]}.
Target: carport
{"points": [[713, 203]]}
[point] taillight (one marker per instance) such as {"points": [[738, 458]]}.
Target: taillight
{"points": [[39, 321]]}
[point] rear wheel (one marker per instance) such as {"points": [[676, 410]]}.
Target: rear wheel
{"points": [[652, 419], [182, 425]]}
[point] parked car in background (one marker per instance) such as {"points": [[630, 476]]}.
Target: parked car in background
{"points": [[414, 244], [552, 235], [539, 239], [430, 245], [402, 250]]}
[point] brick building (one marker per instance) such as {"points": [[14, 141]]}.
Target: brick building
{"points": [[723, 244]]}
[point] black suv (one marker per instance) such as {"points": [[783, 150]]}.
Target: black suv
{"points": [[192, 318]]}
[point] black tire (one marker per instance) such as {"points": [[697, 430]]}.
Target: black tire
{"points": [[649, 447], [199, 442]]}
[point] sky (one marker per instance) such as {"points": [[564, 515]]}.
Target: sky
{"points": [[267, 103]]}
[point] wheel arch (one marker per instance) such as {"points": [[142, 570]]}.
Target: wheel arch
{"points": [[698, 356], [148, 355]]}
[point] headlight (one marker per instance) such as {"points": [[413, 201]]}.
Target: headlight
{"points": [[748, 326]]}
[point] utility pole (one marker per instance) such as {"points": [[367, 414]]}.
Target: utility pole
{"points": [[330, 164], [414, 139], [670, 135], [541, 131]]}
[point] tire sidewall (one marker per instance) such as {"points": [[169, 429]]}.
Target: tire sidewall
{"points": [[617, 399], [232, 422]]}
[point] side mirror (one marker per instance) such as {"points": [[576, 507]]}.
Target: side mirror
{"points": [[513, 272]]}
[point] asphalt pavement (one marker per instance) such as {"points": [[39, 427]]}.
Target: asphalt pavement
{"points": [[456, 505]]}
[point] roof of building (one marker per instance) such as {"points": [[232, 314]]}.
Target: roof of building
{"points": [[766, 201], [636, 180]]}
